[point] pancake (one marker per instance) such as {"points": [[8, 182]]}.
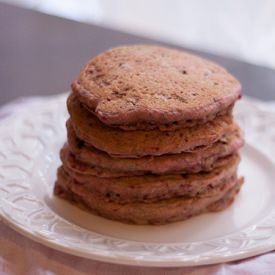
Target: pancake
{"points": [[120, 143], [80, 156], [152, 187], [147, 87], [151, 137], [72, 163], [160, 212], [69, 160]]}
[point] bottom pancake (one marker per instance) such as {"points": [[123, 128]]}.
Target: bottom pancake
{"points": [[151, 188], [159, 212]]}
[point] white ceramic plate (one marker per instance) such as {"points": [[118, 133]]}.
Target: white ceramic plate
{"points": [[29, 145]]}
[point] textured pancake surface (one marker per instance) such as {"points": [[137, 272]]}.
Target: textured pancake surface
{"points": [[153, 188], [141, 86], [160, 212], [139, 143], [81, 156]]}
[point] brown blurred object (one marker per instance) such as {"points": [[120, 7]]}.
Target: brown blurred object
{"points": [[41, 55]]}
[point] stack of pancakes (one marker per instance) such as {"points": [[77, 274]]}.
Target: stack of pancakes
{"points": [[151, 137]]}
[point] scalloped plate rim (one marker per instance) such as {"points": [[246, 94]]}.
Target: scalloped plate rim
{"points": [[132, 260]]}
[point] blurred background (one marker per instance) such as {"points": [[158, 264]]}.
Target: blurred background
{"points": [[242, 29], [45, 43]]}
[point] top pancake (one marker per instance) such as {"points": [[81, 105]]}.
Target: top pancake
{"points": [[146, 87]]}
